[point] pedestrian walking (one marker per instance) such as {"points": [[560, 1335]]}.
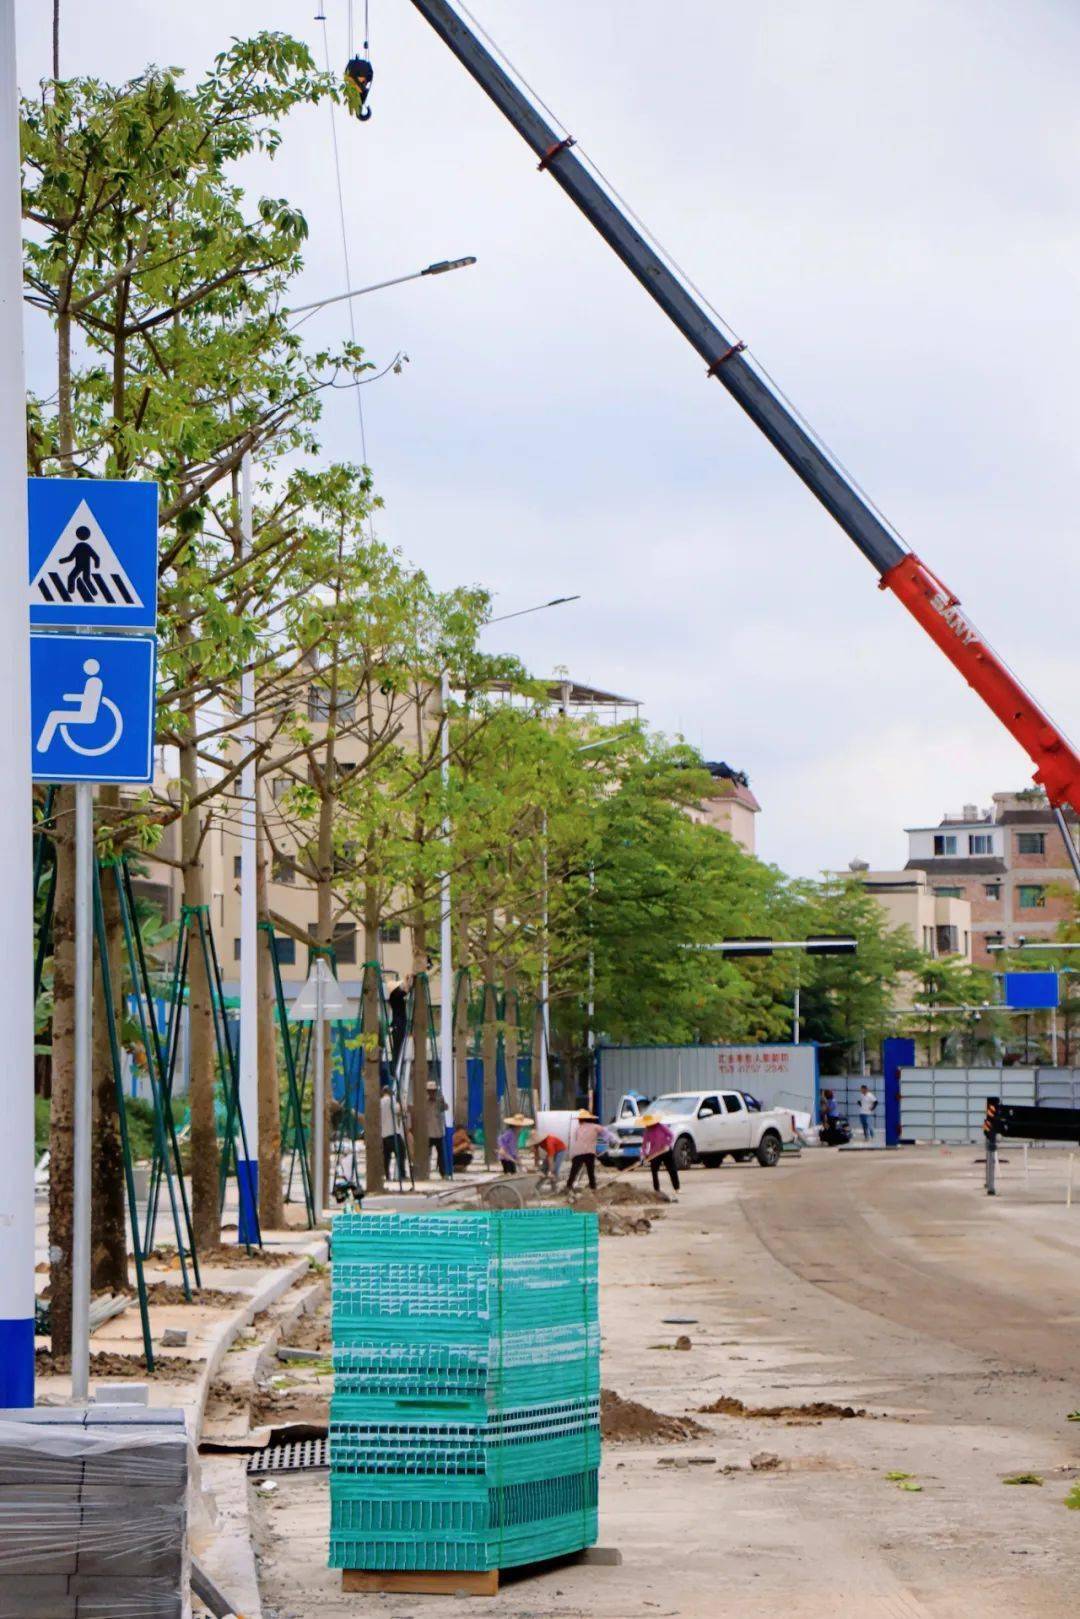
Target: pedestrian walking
{"points": [[657, 1142], [393, 1146], [867, 1108], [584, 1139], [508, 1145]]}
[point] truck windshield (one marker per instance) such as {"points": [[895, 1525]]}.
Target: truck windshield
{"points": [[681, 1105]]}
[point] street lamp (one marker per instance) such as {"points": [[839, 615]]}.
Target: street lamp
{"points": [[442, 267]]}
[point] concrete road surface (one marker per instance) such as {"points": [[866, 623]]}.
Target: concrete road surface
{"points": [[887, 1282]]}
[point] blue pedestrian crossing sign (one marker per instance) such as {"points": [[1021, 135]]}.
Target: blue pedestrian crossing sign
{"points": [[93, 553], [92, 707]]}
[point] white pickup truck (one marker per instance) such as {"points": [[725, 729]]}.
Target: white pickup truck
{"points": [[708, 1127]]}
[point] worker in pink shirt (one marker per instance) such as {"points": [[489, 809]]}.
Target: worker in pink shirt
{"points": [[584, 1139], [656, 1144]]}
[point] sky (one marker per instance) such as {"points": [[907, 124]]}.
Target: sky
{"points": [[883, 201]]}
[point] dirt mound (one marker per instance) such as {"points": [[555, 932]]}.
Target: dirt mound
{"points": [[628, 1422], [623, 1225], [612, 1193], [819, 1411], [209, 1298], [104, 1363]]}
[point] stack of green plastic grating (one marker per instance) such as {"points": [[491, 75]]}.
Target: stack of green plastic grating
{"points": [[465, 1425]]}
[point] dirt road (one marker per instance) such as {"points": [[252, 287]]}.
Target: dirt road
{"points": [[882, 1282]]}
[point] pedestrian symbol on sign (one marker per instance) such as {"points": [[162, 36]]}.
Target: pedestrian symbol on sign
{"points": [[82, 567]]}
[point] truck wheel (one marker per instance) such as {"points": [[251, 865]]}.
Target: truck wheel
{"points": [[769, 1150], [684, 1152]]}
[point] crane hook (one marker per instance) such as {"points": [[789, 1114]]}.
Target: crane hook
{"points": [[360, 75]]}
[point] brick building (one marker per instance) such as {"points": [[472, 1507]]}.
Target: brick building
{"points": [[1009, 862]]}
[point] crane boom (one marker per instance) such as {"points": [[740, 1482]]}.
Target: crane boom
{"points": [[930, 602]]}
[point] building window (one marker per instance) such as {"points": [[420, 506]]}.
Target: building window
{"points": [[282, 786], [1031, 843], [1031, 897], [948, 941], [390, 933], [320, 708], [284, 871], [992, 890], [237, 866], [236, 949], [944, 843], [285, 950], [980, 843], [949, 893], [994, 939]]}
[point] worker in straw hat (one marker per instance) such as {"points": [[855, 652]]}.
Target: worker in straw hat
{"points": [[584, 1139], [509, 1142], [657, 1143]]}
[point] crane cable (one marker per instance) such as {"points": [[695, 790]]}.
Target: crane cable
{"points": [[345, 253]]}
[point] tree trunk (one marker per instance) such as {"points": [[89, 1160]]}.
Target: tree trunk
{"points": [[491, 1045], [205, 1155], [421, 1069], [61, 1117], [108, 1227], [271, 1200], [372, 1055], [324, 924], [460, 1004], [513, 1036]]}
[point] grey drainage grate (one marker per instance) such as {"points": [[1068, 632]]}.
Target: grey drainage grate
{"points": [[301, 1456]]}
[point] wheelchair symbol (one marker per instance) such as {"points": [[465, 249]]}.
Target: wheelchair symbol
{"points": [[89, 703]]}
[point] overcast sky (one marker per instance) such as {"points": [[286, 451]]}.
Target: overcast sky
{"points": [[883, 201]]}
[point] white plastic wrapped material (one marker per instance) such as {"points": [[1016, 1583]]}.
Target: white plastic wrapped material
{"points": [[93, 1514]]}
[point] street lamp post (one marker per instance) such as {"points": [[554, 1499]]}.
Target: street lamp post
{"points": [[442, 267]]}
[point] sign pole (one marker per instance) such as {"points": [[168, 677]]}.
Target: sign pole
{"points": [[84, 1096], [318, 1130], [446, 944], [248, 1169], [16, 855]]}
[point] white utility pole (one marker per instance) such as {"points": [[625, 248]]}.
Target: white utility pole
{"points": [[545, 1013], [446, 939], [248, 1169], [16, 853], [796, 1026]]}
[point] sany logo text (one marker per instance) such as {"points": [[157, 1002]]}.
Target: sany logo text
{"points": [[955, 619]]}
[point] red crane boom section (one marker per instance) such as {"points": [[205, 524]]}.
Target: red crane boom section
{"points": [[935, 607]]}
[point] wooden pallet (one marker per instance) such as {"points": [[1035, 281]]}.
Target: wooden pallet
{"points": [[406, 1582]]}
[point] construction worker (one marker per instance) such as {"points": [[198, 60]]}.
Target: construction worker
{"points": [[509, 1142], [584, 1140], [656, 1149]]}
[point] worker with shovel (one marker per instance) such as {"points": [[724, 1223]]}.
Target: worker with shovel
{"points": [[657, 1143]]}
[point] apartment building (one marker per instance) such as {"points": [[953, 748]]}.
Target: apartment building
{"points": [[730, 805], [940, 923], [1008, 862]]}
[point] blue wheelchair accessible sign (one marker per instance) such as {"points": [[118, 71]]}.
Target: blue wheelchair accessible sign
{"points": [[92, 707], [93, 553]]}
